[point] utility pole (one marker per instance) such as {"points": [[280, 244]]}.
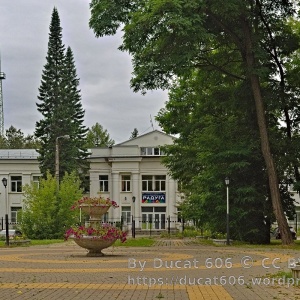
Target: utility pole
{"points": [[2, 76], [57, 158]]}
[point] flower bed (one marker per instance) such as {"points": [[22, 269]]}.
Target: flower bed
{"points": [[97, 235], [104, 232], [94, 201]]}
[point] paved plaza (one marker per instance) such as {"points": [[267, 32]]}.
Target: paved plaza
{"points": [[171, 269]]}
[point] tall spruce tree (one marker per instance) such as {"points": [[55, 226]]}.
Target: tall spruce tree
{"points": [[60, 105]]}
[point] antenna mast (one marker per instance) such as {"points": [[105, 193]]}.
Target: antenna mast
{"points": [[2, 76], [151, 123]]}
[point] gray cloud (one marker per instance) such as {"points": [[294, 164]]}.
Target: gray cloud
{"points": [[103, 70]]}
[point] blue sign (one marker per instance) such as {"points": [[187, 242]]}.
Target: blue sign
{"points": [[153, 197]]}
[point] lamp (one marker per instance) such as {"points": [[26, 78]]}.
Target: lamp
{"points": [[227, 213], [133, 217], [4, 181], [227, 181]]}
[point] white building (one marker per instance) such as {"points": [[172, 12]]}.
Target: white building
{"points": [[18, 167], [130, 173]]}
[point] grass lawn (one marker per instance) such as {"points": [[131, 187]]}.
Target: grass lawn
{"points": [[148, 242], [138, 242], [274, 244], [34, 243]]}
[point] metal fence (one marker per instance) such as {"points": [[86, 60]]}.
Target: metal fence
{"points": [[10, 223], [135, 225]]}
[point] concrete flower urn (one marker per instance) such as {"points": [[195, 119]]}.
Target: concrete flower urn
{"points": [[93, 245], [97, 236], [95, 211]]}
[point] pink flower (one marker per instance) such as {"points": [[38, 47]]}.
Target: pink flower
{"points": [[94, 201], [105, 232]]}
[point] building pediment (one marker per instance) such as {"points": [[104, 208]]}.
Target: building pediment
{"points": [[154, 138]]}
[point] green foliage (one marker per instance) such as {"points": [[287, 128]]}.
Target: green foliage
{"points": [[227, 63], [139, 242], [46, 242], [47, 214], [14, 139], [61, 108], [216, 140], [189, 232], [134, 133], [97, 136]]}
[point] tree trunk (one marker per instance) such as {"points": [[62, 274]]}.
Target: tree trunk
{"points": [[286, 236]]}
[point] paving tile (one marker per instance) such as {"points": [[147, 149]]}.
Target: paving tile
{"points": [[189, 271]]}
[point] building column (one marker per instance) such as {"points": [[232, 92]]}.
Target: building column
{"points": [[115, 195], [94, 183], [136, 209], [171, 196]]}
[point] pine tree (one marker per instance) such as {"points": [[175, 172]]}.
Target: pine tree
{"points": [[72, 117], [134, 133], [60, 105], [97, 136]]}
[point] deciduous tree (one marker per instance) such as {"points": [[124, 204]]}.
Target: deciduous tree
{"points": [[241, 39], [46, 214]]}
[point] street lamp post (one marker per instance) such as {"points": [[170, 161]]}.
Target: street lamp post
{"points": [[227, 211], [57, 158], [133, 218], [4, 181]]}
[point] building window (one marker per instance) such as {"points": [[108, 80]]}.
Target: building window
{"points": [[126, 183], [156, 151], [86, 184], [104, 218], [179, 186], [126, 214], [16, 184], [160, 182], [153, 183], [147, 183], [103, 180], [151, 151], [14, 214], [36, 181], [153, 218], [179, 215]]}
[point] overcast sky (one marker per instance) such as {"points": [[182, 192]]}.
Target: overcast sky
{"points": [[104, 71]]}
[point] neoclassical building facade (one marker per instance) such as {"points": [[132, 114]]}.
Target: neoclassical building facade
{"points": [[130, 173], [18, 167]]}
